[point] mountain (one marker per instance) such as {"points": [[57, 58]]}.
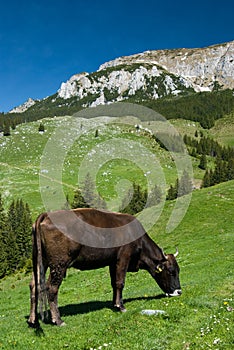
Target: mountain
{"points": [[150, 75], [156, 74], [199, 67], [22, 108]]}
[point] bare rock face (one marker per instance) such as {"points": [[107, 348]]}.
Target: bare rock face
{"points": [[150, 75], [22, 108], [202, 66], [155, 74]]}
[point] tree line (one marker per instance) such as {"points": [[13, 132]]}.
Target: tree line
{"points": [[223, 169], [15, 237], [135, 200], [202, 107]]}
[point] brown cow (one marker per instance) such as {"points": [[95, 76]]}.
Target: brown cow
{"points": [[91, 239]]}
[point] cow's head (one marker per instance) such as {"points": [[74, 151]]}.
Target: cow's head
{"points": [[167, 275]]}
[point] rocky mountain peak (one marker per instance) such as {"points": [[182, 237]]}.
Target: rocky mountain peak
{"points": [[200, 66], [149, 75], [22, 108], [155, 74]]}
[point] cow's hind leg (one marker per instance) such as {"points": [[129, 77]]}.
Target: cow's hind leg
{"points": [[33, 318], [54, 281], [34, 297]]}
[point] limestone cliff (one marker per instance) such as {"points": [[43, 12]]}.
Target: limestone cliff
{"points": [[154, 74]]}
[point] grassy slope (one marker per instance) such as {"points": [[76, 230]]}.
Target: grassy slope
{"points": [[20, 159], [21, 156], [199, 319], [223, 130]]}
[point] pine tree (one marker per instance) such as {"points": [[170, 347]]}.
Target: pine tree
{"points": [[3, 258], [193, 152], [155, 196], [173, 191], [182, 187], [219, 172], [212, 179], [185, 184], [19, 218], [206, 182], [86, 197], [88, 191], [230, 169], [203, 162], [27, 222], [135, 200], [7, 129], [12, 216], [78, 200], [41, 128], [3, 253], [7, 243]]}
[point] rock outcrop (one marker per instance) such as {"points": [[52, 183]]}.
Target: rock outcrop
{"points": [[154, 74], [148, 75]]}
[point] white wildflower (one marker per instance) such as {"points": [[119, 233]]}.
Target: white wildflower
{"points": [[216, 341]]}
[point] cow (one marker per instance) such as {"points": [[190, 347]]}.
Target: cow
{"points": [[90, 239]]}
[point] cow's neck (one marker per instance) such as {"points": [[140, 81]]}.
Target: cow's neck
{"points": [[150, 254]]}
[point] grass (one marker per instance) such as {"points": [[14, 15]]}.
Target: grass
{"points": [[21, 154], [223, 130], [199, 319]]}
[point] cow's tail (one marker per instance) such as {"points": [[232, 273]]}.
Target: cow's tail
{"points": [[38, 268]]}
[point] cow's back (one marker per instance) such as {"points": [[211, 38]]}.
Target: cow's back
{"points": [[92, 227], [102, 218]]}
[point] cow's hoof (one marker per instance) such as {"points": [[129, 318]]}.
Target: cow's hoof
{"points": [[59, 323], [33, 324], [119, 308]]}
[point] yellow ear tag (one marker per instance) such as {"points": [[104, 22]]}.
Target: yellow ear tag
{"points": [[158, 270]]}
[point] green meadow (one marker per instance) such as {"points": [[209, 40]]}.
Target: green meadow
{"points": [[21, 166], [202, 318]]}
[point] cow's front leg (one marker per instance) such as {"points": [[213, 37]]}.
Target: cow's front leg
{"points": [[53, 284], [33, 318], [112, 269], [117, 273]]}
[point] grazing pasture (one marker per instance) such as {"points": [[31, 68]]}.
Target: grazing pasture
{"points": [[20, 158], [202, 318]]}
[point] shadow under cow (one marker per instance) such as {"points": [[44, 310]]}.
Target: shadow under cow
{"points": [[91, 306]]}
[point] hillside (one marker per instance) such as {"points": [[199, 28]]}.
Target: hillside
{"points": [[194, 84], [21, 156], [202, 318], [21, 152]]}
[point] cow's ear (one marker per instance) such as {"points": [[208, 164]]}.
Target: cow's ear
{"points": [[159, 268]]}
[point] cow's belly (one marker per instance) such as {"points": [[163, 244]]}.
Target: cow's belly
{"points": [[94, 258]]}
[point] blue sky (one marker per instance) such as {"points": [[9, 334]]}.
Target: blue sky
{"points": [[44, 42]]}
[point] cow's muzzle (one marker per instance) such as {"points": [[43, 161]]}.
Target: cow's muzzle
{"points": [[176, 293]]}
